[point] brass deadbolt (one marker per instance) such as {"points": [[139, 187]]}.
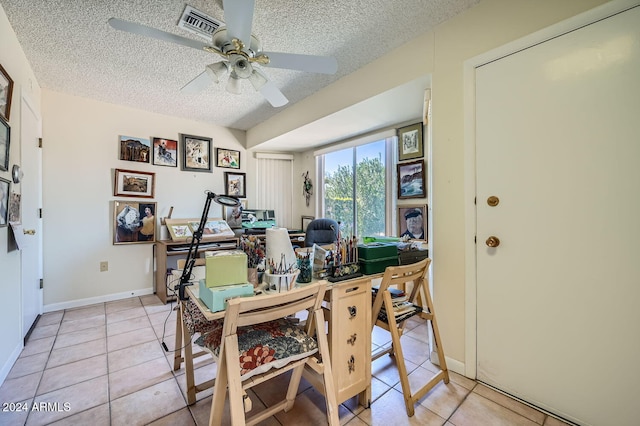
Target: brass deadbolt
{"points": [[29, 231], [493, 201], [493, 241]]}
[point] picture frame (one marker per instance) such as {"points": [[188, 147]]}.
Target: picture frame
{"points": [[306, 220], [165, 152], [6, 92], [406, 213], [411, 180], [227, 158], [233, 215], [134, 222], [196, 153], [183, 230], [135, 149], [4, 202], [5, 142], [410, 142], [14, 208], [235, 184], [132, 183]]}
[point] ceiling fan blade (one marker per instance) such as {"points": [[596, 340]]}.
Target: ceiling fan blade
{"points": [[238, 15], [198, 84], [140, 29], [310, 63], [272, 94]]}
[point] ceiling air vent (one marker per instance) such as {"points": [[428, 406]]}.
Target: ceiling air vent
{"points": [[198, 23]]}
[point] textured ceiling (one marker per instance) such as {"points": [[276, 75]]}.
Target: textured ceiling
{"points": [[72, 49]]}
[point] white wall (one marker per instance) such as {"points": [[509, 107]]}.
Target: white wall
{"points": [[15, 64], [81, 151], [440, 53]]}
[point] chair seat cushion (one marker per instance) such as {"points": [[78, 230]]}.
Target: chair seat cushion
{"points": [[262, 346]]}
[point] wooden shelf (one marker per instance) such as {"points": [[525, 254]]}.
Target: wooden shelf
{"points": [[167, 248]]}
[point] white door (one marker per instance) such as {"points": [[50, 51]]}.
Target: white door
{"points": [[31, 190], [558, 142]]}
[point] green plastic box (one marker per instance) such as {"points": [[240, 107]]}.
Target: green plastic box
{"points": [[375, 257], [225, 267]]}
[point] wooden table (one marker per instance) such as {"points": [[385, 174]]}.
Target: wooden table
{"points": [[348, 304]]}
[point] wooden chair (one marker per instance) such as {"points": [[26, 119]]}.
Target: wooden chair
{"points": [[249, 311], [384, 316]]}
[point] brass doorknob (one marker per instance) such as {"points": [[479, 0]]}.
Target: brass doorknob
{"points": [[29, 231], [493, 241]]}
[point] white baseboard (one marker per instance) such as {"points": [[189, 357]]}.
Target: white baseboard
{"points": [[452, 364], [4, 372], [93, 300]]}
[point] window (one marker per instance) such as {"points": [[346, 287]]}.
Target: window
{"points": [[356, 184]]}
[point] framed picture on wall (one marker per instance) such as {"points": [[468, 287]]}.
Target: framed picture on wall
{"points": [[134, 222], [196, 153], [130, 183], [411, 180], [4, 202], [412, 221], [227, 158], [135, 149], [5, 140], [306, 220], [6, 91], [233, 215], [410, 144], [165, 152], [234, 184]]}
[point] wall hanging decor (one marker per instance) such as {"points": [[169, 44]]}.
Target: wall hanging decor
{"points": [[307, 187], [411, 180], [412, 221], [234, 184], [135, 149], [227, 158], [134, 222], [131, 183], [4, 202], [165, 152], [410, 143], [196, 153], [5, 141], [6, 90]]}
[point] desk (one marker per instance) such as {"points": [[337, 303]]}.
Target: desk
{"points": [[349, 335]]}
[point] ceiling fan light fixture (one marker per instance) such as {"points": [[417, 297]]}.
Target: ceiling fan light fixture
{"points": [[233, 84], [257, 79], [241, 66], [217, 70]]}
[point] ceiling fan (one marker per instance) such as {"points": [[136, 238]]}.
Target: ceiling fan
{"points": [[240, 50]]}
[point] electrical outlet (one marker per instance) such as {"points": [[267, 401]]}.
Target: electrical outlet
{"points": [[104, 266]]}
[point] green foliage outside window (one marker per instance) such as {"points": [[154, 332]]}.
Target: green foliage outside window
{"points": [[369, 197]]}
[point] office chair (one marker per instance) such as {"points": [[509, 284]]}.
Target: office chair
{"points": [[321, 231], [390, 314]]}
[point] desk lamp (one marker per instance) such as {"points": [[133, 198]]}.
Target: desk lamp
{"points": [[224, 200]]}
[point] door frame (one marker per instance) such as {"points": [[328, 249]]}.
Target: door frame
{"points": [[469, 89]]}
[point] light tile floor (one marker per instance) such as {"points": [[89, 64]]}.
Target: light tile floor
{"points": [[104, 365]]}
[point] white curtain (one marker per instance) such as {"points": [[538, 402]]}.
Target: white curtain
{"points": [[274, 189]]}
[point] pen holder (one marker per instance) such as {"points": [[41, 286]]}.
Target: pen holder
{"points": [[281, 282]]}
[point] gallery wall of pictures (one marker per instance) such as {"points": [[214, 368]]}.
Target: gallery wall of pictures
{"points": [[412, 182], [134, 221]]}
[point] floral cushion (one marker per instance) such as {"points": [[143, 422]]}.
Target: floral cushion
{"points": [[263, 346]]}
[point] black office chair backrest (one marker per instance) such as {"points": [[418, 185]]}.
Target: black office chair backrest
{"points": [[321, 231]]}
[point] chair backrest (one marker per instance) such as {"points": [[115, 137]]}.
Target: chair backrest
{"points": [[413, 273], [321, 231], [255, 310]]}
